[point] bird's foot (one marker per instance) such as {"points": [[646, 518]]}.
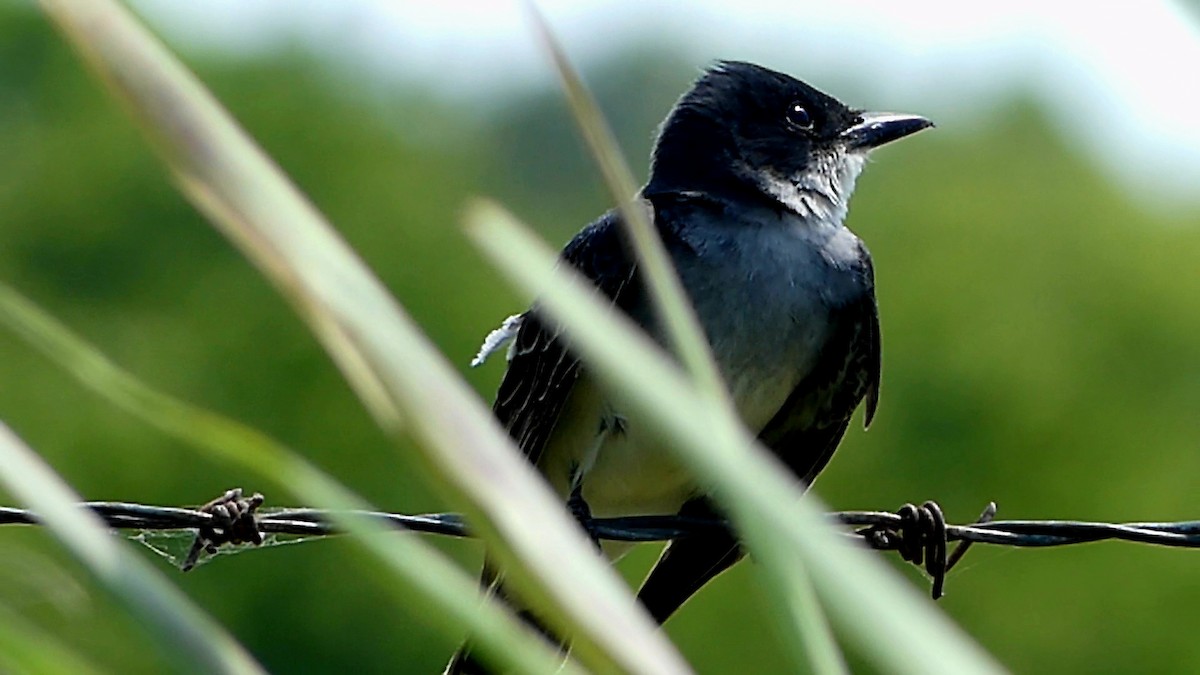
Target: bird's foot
{"points": [[582, 512]]}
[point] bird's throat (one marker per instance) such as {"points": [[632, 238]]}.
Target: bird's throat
{"points": [[820, 192]]}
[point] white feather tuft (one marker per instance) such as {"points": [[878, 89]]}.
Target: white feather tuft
{"points": [[497, 339]]}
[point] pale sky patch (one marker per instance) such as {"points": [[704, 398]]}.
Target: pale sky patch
{"points": [[1119, 79]]}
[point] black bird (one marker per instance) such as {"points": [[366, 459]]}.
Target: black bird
{"points": [[749, 185]]}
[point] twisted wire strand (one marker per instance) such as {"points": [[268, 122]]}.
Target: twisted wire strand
{"points": [[920, 534]]}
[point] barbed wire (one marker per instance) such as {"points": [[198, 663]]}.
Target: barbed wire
{"points": [[920, 534]]}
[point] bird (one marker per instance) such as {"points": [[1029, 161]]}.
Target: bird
{"points": [[750, 180]]}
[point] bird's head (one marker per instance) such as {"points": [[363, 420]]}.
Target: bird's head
{"points": [[744, 128]]}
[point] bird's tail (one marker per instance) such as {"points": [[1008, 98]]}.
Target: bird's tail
{"points": [[686, 565]]}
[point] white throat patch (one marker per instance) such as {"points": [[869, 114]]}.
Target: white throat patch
{"points": [[823, 191]]}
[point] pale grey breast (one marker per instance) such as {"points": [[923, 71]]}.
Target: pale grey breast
{"points": [[764, 287]]}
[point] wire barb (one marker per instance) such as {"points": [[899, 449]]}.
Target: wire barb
{"points": [[921, 536], [231, 522]]}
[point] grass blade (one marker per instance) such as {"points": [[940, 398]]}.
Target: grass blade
{"points": [[666, 291], [391, 365]]}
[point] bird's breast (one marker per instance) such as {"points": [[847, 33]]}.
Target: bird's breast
{"points": [[765, 296]]}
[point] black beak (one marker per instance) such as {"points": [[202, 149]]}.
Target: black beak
{"points": [[876, 129]]}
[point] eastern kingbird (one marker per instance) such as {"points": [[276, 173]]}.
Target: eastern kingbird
{"points": [[750, 180]]}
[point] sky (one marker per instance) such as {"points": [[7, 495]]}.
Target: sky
{"points": [[1118, 78]]}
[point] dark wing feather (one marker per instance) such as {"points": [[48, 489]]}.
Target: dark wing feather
{"points": [[847, 373], [542, 370]]}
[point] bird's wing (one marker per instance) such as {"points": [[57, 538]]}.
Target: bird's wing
{"points": [[541, 369], [847, 373]]}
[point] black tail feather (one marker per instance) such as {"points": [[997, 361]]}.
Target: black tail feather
{"points": [[686, 565]]}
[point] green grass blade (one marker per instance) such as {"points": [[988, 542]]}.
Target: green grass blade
{"points": [[391, 365], [185, 634], [817, 643], [666, 290], [865, 598], [423, 576]]}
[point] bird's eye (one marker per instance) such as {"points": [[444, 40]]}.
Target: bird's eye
{"points": [[798, 117]]}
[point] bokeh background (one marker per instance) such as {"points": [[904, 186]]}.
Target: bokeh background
{"points": [[1036, 259]]}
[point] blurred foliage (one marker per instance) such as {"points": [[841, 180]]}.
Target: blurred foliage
{"points": [[1039, 330]]}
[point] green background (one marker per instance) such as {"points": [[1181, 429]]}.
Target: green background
{"points": [[1040, 350]]}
